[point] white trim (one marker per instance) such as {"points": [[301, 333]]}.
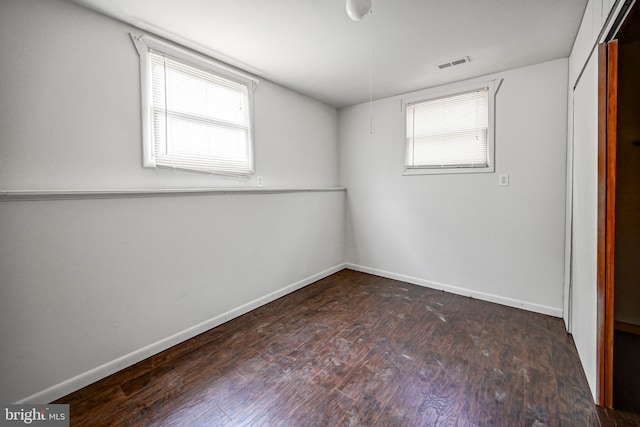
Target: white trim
{"points": [[509, 302], [568, 223], [31, 195], [143, 45], [148, 153], [449, 170], [145, 42], [449, 90], [93, 375], [619, 10]]}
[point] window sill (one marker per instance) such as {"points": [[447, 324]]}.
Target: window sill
{"points": [[447, 171]]}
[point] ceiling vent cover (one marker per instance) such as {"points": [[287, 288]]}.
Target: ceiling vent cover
{"points": [[453, 62]]}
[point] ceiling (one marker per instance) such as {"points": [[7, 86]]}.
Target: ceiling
{"points": [[312, 47]]}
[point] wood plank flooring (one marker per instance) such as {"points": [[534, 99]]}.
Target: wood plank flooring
{"points": [[355, 350]]}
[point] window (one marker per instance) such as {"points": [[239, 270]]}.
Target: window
{"points": [[196, 113], [450, 132]]}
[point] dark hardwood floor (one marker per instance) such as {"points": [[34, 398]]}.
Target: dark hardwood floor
{"points": [[358, 350]]}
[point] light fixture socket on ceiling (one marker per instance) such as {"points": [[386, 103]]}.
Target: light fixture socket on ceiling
{"points": [[453, 62], [358, 9]]}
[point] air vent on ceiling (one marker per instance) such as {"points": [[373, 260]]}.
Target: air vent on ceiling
{"points": [[454, 62]]}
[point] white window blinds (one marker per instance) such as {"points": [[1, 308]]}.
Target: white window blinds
{"points": [[196, 112], [200, 119], [449, 132]]}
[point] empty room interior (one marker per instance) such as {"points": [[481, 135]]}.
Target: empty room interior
{"points": [[407, 212]]}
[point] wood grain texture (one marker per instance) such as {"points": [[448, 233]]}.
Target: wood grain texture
{"points": [[603, 61], [356, 350], [629, 328], [612, 129]]}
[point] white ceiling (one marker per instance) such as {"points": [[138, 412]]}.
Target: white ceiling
{"points": [[312, 47]]}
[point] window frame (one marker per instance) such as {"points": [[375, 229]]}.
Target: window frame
{"points": [[450, 91], [144, 44]]}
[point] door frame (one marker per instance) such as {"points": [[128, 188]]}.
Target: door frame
{"points": [[607, 143]]}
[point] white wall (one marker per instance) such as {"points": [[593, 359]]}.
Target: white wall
{"points": [[463, 232], [70, 111], [90, 286]]}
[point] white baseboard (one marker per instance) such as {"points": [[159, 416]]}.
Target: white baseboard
{"points": [[510, 302], [100, 372], [62, 389]]}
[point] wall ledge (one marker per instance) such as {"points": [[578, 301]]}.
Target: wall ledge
{"points": [[35, 195]]}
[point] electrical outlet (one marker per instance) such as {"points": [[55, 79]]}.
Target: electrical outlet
{"points": [[260, 182], [503, 180]]}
